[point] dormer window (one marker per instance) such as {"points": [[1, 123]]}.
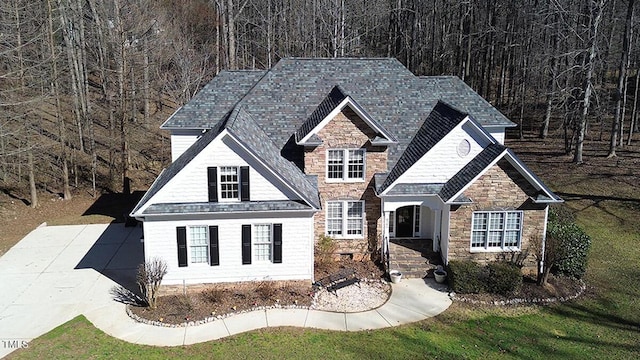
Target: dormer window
{"points": [[345, 164]]}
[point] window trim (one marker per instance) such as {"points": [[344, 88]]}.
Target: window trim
{"points": [[345, 165], [344, 228], [254, 244], [190, 261], [504, 230], [237, 183]]}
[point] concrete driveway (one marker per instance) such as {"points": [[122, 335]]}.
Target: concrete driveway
{"points": [[56, 273]]}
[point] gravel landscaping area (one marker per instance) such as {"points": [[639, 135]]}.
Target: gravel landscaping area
{"points": [[364, 296]]}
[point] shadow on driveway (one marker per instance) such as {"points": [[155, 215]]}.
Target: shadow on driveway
{"points": [[116, 254]]}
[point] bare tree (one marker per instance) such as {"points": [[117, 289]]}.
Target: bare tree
{"points": [[597, 8], [622, 79], [149, 279]]}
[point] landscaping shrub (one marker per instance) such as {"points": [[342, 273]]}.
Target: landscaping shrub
{"points": [[213, 294], [504, 278], [149, 277], [267, 290], [466, 277], [569, 243], [324, 251]]}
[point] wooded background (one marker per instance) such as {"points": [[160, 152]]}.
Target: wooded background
{"points": [[84, 84]]}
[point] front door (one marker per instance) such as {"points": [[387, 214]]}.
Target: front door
{"points": [[404, 222]]}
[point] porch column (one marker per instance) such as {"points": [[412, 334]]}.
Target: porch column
{"points": [[385, 239]]}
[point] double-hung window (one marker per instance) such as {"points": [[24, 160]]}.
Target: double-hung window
{"points": [[198, 244], [496, 230], [229, 183], [345, 219], [345, 164], [262, 242]]}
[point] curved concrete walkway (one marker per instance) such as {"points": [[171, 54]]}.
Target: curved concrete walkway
{"points": [[56, 273], [411, 300]]}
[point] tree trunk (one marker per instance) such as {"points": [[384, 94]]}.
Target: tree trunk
{"points": [[66, 191], [588, 86], [551, 88], [622, 76], [634, 109], [231, 30], [32, 178]]}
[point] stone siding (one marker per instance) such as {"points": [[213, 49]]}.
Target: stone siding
{"points": [[348, 131], [500, 188]]}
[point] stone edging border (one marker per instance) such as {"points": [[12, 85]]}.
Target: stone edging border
{"points": [[222, 316], [550, 300]]}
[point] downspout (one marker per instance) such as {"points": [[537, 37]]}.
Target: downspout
{"points": [[385, 240], [544, 240]]}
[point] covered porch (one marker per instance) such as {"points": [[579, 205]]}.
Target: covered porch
{"points": [[413, 257], [414, 229]]}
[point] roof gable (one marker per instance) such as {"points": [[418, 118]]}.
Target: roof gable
{"points": [[241, 129], [440, 122], [455, 187], [332, 104]]}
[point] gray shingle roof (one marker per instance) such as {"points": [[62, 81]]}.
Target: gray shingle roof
{"points": [[415, 189], [547, 195], [243, 206], [470, 171], [290, 92], [242, 125], [333, 99], [214, 101], [442, 119]]}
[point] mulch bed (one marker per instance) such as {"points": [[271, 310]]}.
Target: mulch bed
{"points": [[558, 288], [218, 300]]}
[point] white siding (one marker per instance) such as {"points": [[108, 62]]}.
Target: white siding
{"points": [[443, 161], [190, 184], [181, 140], [297, 251]]}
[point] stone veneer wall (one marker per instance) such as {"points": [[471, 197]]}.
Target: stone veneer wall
{"points": [[500, 188], [348, 131]]}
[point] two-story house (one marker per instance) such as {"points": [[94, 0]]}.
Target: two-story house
{"points": [[360, 150]]}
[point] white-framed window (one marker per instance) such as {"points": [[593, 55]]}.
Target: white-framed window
{"points": [[198, 244], [262, 242], [345, 164], [496, 230], [345, 218], [229, 185]]}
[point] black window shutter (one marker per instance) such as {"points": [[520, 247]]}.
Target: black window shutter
{"points": [[244, 183], [214, 252], [181, 234], [277, 243], [212, 182], [246, 244]]}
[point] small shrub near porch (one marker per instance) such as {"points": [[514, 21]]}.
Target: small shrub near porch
{"points": [[467, 277], [500, 277]]}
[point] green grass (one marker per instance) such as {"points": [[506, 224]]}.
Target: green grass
{"points": [[603, 323]]}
